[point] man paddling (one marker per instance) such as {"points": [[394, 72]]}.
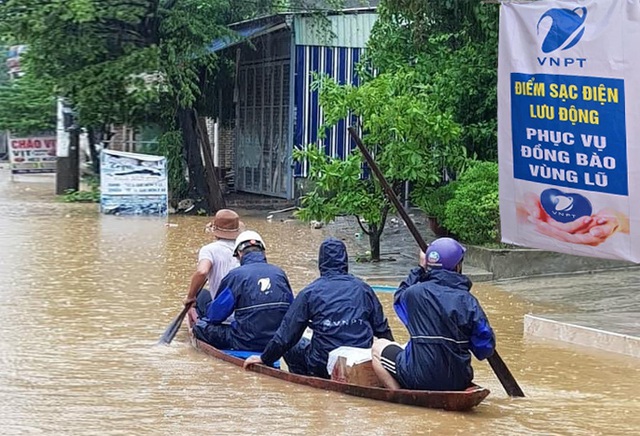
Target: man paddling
{"points": [[215, 260], [341, 309], [258, 292], [445, 323]]}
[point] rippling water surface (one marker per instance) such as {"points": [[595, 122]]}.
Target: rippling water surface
{"points": [[84, 298]]}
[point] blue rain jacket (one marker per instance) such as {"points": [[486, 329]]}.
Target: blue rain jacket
{"points": [[259, 294], [341, 309], [446, 324]]}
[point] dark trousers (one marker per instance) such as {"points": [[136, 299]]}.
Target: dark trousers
{"points": [[218, 336], [296, 359], [202, 301]]}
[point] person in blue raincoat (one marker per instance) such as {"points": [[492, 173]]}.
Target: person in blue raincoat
{"points": [[258, 293], [445, 323], [341, 309]]}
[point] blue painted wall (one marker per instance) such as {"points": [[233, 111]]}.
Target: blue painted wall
{"points": [[338, 63]]}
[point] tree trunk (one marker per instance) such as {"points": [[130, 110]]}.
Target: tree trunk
{"points": [[198, 188], [216, 199], [374, 243], [375, 232], [95, 158]]}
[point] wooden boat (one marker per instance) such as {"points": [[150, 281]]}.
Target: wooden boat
{"points": [[447, 400]]}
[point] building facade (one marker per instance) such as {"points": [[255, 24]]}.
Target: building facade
{"points": [[275, 105]]}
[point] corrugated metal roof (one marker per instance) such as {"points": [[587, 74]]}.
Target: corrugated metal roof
{"points": [[347, 30], [331, 5], [251, 30]]}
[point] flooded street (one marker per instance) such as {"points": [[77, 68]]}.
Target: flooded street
{"points": [[84, 298]]}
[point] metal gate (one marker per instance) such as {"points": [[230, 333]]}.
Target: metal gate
{"points": [[262, 159]]}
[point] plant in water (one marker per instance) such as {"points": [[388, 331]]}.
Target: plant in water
{"points": [[92, 195], [73, 196]]}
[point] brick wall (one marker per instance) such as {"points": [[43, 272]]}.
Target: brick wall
{"points": [[227, 139]]}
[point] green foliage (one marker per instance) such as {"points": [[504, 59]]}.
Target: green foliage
{"points": [[170, 146], [121, 62], [27, 106], [452, 45], [409, 123], [433, 200], [84, 196], [336, 188], [473, 213], [414, 138]]}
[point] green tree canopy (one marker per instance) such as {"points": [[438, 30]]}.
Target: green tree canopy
{"points": [[427, 104], [453, 47], [133, 61], [27, 105]]}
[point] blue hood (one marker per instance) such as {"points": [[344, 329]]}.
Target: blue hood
{"points": [[253, 257], [333, 258], [449, 279]]}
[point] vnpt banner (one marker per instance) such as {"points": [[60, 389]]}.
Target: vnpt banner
{"points": [[569, 149], [133, 184]]}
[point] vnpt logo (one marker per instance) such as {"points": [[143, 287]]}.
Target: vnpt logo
{"points": [[567, 27], [564, 207], [564, 29]]}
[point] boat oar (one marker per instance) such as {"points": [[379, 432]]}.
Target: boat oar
{"points": [[497, 364], [173, 328]]}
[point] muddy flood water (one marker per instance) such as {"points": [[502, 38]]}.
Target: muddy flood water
{"points": [[84, 299]]}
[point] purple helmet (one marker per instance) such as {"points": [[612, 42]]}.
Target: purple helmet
{"points": [[444, 253]]}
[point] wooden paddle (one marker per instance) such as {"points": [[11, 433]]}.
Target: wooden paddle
{"points": [[173, 328], [497, 364]]}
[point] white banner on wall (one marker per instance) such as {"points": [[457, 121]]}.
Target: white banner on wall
{"points": [[133, 184], [568, 130], [62, 135]]}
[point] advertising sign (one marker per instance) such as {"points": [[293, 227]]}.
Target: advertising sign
{"points": [[568, 85], [133, 184], [34, 154], [568, 143]]}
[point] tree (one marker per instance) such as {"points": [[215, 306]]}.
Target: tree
{"points": [[412, 139], [27, 105], [134, 61], [453, 45], [338, 189], [127, 62], [430, 105]]}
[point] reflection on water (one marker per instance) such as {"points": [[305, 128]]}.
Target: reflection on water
{"points": [[84, 298]]}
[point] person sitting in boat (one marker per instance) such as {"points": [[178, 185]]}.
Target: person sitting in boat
{"points": [[215, 260], [341, 309], [258, 292], [445, 323]]}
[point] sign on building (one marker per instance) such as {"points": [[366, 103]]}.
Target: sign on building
{"points": [[133, 184], [568, 135], [14, 55], [32, 154]]}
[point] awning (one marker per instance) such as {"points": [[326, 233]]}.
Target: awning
{"points": [[241, 35]]}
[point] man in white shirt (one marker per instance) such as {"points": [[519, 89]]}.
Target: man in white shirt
{"points": [[216, 259]]}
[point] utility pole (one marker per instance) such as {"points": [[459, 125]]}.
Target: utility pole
{"points": [[67, 151], [68, 168]]}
